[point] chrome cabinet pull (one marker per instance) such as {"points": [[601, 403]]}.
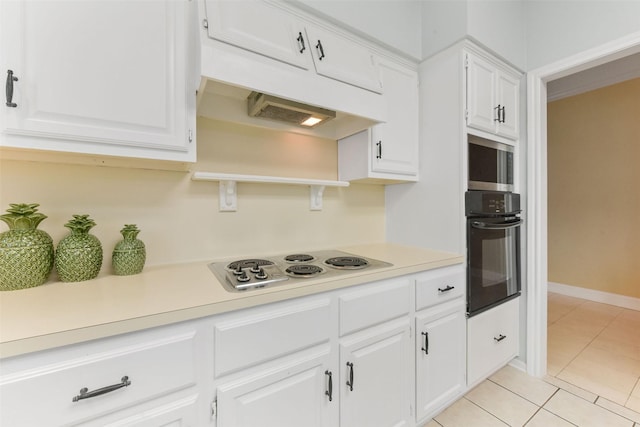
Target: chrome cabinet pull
{"points": [[426, 342], [350, 380], [329, 392], [320, 50], [9, 89], [447, 289], [86, 394], [499, 338], [301, 42]]}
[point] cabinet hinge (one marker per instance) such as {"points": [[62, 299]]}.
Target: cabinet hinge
{"points": [[205, 23], [214, 408], [466, 61], [466, 115], [190, 135]]}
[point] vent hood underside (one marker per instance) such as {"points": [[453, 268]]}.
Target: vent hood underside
{"points": [[229, 103]]}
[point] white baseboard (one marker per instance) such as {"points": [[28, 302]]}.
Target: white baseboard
{"points": [[596, 296]]}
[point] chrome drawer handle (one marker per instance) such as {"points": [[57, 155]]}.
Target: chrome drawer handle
{"points": [[499, 338], [447, 289], [86, 394]]}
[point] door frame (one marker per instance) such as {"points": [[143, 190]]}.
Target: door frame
{"points": [[537, 79]]}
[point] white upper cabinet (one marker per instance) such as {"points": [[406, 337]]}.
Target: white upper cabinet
{"points": [[336, 57], [100, 77], [267, 29], [388, 152], [261, 28], [492, 97]]}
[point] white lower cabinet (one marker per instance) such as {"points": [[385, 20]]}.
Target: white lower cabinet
{"points": [[270, 364], [182, 412], [293, 392], [375, 383], [138, 379], [492, 340], [440, 357], [339, 358]]}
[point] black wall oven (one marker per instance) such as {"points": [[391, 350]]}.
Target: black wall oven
{"points": [[493, 249]]}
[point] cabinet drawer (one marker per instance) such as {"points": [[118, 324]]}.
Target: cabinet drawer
{"points": [[437, 286], [42, 394], [373, 304], [492, 340], [258, 335]]}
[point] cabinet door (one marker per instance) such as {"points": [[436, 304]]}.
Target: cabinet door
{"points": [[138, 368], [342, 59], [440, 357], [291, 394], [374, 381], [260, 27], [492, 340], [182, 412], [509, 98], [395, 142], [100, 72], [481, 94]]}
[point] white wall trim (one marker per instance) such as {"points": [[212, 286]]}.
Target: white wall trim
{"points": [[537, 185], [596, 296]]}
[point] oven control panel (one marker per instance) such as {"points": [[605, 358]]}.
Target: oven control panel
{"points": [[479, 203]]}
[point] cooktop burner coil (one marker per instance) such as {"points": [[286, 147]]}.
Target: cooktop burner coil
{"points": [[304, 270], [299, 258], [347, 262]]}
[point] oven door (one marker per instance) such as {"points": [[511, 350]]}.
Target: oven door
{"points": [[493, 257]]}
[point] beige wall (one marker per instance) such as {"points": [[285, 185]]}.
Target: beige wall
{"points": [[179, 218], [594, 189]]}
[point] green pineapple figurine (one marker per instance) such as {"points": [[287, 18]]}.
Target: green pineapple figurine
{"points": [[79, 254], [130, 253], [26, 254]]}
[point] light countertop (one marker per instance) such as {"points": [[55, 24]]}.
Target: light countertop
{"points": [[58, 313]]}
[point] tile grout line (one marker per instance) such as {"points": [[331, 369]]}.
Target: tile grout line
{"points": [[481, 408], [637, 384], [523, 397], [615, 413], [551, 397]]}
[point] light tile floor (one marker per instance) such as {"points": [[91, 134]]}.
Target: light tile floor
{"points": [[593, 375]]}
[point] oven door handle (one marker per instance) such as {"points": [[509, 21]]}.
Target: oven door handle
{"points": [[498, 226]]}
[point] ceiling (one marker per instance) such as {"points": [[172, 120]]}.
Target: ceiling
{"points": [[594, 78]]}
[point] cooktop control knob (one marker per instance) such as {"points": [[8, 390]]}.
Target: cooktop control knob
{"points": [[243, 277], [261, 275]]}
